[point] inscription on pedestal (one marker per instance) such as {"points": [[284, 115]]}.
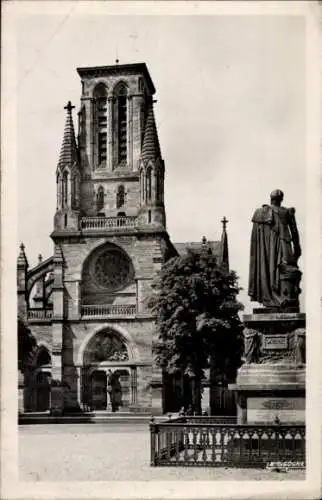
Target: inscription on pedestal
{"points": [[275, 342], [264, 409]]}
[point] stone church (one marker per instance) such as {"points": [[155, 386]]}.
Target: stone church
{"points": [[86, 304]]}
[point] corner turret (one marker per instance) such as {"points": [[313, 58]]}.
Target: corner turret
{"points": [[224, 255], [22, 269], [68, 179], [151, 168]]}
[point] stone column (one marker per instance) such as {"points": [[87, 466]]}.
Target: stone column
{"points": [[73, 290], [154, 184], [110, 152], [133, 378], [129, 129], [22, 268], [137, 102], [108, 398], [57, 332], [79, 397], [157, 391], [91, 131]]}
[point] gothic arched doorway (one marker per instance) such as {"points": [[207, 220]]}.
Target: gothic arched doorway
{"points": [[108, 378], [42, 379], [37, 382]]}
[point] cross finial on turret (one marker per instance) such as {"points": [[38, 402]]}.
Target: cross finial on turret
{"points": [[22, 259], [204, 240], [40, 258], [224, 222], [69, 107]]}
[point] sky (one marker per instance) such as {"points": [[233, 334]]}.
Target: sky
{"points": [[230, 111]]}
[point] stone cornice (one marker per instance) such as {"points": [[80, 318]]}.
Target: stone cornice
{"points": [[119, 69]]}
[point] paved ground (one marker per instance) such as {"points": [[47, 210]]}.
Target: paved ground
{"points": [[105, 452]]}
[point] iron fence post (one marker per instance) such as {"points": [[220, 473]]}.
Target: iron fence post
{"points": [[153, 432]]}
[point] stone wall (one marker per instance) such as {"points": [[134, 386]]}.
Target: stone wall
{"points": [[42, 333]]}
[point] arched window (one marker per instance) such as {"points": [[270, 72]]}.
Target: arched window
{"points": [[120, 197], [65, 189], [101, 122], [148, 184], [142, 185], [158, 187], [82, 126], [75, 191], [100, 199], [121, 114], [59, 193]]}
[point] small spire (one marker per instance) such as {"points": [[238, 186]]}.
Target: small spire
{"points": [[151, 146], [224, 254], [205, 248], [39, 258], [22, 259], [68, 152]]}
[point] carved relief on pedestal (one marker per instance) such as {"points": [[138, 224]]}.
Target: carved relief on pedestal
{"points": [[265, 347]]}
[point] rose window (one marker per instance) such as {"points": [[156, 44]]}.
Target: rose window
{"points": [[111, 270]]}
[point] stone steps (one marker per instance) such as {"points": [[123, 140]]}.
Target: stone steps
{"points": [[93, 418]]}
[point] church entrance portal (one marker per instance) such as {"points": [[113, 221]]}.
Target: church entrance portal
{"points": [[37, 379], [108, 379]]}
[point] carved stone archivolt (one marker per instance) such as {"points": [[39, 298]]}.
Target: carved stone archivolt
{"points": [[106, 346]]}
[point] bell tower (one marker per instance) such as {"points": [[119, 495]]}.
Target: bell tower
{"points": [[121, 166], [109, 233]]}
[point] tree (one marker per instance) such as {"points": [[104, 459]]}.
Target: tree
{"points": [[196, 309], [26, 346]]}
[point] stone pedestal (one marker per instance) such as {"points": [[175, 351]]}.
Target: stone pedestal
{"points": [[270, 385]]}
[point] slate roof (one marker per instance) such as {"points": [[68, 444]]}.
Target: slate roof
{"points": [[68, 153], [197, 246], [151, 146]]}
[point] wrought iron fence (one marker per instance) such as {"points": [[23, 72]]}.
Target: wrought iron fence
{"points": [[187, 441]]}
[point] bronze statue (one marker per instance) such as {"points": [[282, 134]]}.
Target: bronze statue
{"points": [[275, 249]]}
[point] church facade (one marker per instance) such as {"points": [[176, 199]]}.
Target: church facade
{"points": [[86, 305]]}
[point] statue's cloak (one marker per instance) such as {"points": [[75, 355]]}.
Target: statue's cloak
{"points": [[270, 246]]}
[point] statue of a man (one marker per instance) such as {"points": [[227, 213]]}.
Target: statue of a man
{"points": [[275, 249]]}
